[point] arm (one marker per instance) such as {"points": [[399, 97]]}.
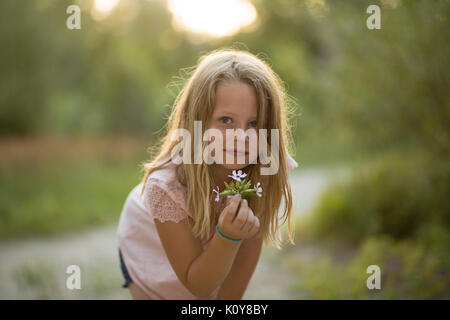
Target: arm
{"points": [[235, 284], [201, 272], [211, 268]]}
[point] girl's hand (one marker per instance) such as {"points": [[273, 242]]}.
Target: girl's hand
{"points": [[238, 222]]}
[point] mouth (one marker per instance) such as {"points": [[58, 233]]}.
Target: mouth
{"points": [[236, 153]]}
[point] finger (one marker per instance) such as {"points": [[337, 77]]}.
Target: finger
{"points": [[241, 216], [257, 225], [232, 208], [251, 222], [228, 201], [244, 206]]}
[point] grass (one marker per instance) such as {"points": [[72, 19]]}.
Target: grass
{"points": [[408, 270], [39, 279], [47, 280], [64, 192], [64, 197]]}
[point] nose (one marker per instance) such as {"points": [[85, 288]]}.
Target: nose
{"points": [[241, 140], [240, 134]]}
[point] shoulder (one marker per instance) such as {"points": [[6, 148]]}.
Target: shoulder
{"points": [[167, 178], [164, 196], [166, 173], [291, 163]]}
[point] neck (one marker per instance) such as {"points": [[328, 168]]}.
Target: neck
{"points": [[220, 174]]}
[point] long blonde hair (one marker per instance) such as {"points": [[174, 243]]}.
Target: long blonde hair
{"points": [[196, 101]]}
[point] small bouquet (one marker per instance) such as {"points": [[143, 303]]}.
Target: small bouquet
{"points": [[239, 186]]}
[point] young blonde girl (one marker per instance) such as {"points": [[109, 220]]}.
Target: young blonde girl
{"points": [[168, 244]]}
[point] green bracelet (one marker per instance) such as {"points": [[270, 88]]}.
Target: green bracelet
{"points": [[225, 237]]}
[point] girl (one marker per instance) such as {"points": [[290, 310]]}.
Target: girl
{"points": [[168, 244]]}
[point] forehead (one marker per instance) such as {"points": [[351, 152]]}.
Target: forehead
{"points": [[236, 97]]}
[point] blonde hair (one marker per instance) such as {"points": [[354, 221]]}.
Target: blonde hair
{"points": [[196, 101]]}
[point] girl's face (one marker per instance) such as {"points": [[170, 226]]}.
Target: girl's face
{"points": [[236, 107]]}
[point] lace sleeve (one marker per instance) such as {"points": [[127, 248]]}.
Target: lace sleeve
{"points": [[160, 203]]}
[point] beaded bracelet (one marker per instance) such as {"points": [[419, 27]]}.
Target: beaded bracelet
{"points": [[225, 237]]}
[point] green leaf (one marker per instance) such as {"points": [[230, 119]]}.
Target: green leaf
{"points": [[227, 192], [249, 192]]}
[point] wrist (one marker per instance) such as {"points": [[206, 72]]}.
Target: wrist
{"points": [[226, 237]]}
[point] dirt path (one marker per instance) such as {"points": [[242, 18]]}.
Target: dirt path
{"points": [[36, 268]]}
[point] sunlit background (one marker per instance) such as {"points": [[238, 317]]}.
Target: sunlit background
{"points": [[215, 18], [102, 8], [79, 108]]}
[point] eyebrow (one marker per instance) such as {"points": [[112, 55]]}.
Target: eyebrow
{"points": [[228, 112], [233, 114]]}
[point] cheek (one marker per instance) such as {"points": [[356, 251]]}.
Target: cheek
{"points": [[222, 137], [218, 138], [253, 151]]}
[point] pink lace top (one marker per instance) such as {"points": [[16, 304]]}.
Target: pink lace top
{"points": [[164, 199]]}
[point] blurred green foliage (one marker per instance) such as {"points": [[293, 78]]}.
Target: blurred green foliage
{"points": [[363, 89], [395, 196], [393, 213], [65, 197], [409, 270]]}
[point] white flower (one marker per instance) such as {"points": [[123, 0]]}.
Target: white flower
{"points": [[217, 192], [238, 175], [258, 189]]}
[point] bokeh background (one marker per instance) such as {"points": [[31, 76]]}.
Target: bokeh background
{"points": [[79, 108]]}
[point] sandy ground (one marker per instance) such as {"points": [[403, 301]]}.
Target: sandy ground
{"points": [[36, 268]]}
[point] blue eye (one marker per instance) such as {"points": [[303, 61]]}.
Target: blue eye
{"points": [[225, 120], [254, 124]]}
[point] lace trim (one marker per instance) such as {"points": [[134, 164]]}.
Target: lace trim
{"points": [[160, 198]]}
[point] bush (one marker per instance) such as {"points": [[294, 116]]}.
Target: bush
{"points": [[395, 196], [408, 271], [393, 213]]}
